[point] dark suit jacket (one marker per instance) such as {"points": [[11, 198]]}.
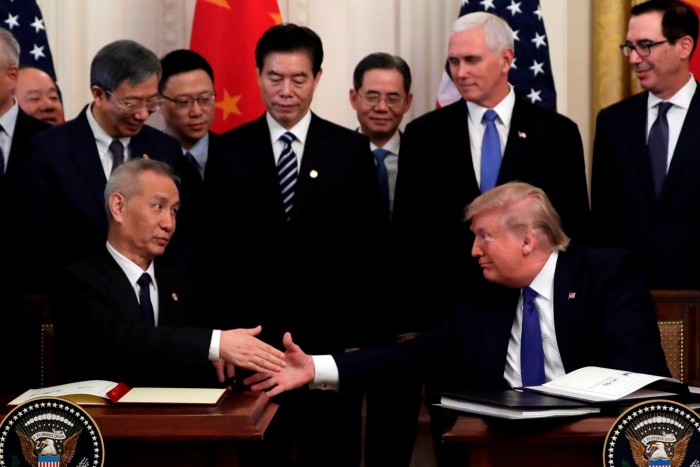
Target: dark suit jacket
{"points": [[306, 275], [603, 314], [436, 182], [662, 232], [63, 192], [100, 333], [14, 331]]}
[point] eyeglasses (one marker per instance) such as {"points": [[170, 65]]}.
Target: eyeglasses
{"points": [[133, 104], [205, 100], [373, 98], [642, 48]]}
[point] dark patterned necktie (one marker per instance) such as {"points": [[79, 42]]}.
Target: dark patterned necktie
{"points": [[145, 303], [531, 352], [658, 146], [117, 149], [382, 178], [287, 174]]}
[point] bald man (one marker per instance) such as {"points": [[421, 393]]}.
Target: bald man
{"points": [[37, 94]]}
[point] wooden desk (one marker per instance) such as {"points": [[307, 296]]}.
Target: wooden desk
{"points": [[185, 435], [556, 442]]}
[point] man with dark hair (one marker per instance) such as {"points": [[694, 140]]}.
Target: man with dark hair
{"points": [[69, 164], [646, 154], [381, 96], [187, 87], [303, 194]]}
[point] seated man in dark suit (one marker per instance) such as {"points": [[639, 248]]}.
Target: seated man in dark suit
{"points": [[591, 307], [68, 166], [122, 317]]}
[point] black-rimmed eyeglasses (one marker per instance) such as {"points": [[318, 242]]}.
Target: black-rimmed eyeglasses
{"points": [[643, 48]]}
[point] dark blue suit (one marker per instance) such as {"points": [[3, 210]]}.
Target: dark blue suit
{"points": [[603, 314], [63, 193], [663, 232], [100, 333]]}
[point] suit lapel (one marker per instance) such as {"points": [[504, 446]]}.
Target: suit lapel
{"points": [[516, 145], [86, 158], [461, 157], [565, 302], [314, 164], [119, 288], [686, 147]]}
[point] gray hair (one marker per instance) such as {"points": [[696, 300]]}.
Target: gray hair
{"points": [[120, 61], [498, 33], [9, 52], [126, 179]]}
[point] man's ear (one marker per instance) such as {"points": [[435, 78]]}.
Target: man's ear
{"points": [[529, 241], [117, 206]]}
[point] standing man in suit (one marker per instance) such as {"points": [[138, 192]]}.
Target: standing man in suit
{"points": [[303, 194], [102, 322], [653, 210], [38, 95], [69, 164], [16, 128], [441, 166], [187, 87], [591, 306], [381, 95]]}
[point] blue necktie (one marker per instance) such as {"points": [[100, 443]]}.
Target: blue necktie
{"points": [[382, 178], [287, 174], [531, 352], [145, 303], [658, 147], [490, 152]]}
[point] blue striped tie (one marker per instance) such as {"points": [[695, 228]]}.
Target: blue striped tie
{"points": [[287, 174]]}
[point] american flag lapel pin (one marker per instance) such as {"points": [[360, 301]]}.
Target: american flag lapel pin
{"points": [[572, 295], [522, 134]]}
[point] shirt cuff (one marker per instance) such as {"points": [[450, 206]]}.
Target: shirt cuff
{"points": [[326, 376], [214, 345]]}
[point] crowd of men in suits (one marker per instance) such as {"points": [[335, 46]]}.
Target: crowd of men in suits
{"points": [[296, 224]]}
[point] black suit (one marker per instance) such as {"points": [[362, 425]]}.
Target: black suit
{"points": [[100, 333], [309, 276], [663, 232], [437, 181], [14, 329], [63, 193]]}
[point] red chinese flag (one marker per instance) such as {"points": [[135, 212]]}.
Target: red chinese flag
{"points": [[695, 59], [225, 32]]}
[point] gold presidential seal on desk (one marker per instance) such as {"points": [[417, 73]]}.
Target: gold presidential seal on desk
{"points": [[50, 432], [654, 433]]}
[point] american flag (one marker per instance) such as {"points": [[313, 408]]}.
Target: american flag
{"points": [[23, 18], [531, 73]]}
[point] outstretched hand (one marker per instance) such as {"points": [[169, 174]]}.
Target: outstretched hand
{"points": [[299, 371], [240, 347]]}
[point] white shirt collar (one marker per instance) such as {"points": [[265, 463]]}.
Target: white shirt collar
{"points": [[103, 139], [299, 130], [543, 283], [504, 109], [132, 270], [680, 99], [9, 119], [392, 145]]}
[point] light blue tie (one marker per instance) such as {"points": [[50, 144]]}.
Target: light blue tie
{"points": [[287, 174], [490, 152], [382, 177], [531, 352]]}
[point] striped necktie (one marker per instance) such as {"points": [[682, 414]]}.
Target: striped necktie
{"points": [[287, 174]]}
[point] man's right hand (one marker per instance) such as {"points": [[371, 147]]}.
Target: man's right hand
{"points": [[299, 370]]}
